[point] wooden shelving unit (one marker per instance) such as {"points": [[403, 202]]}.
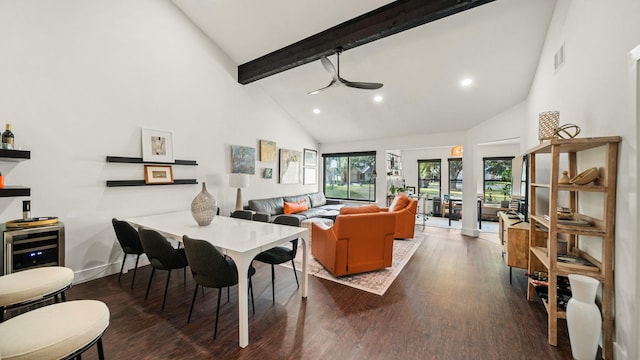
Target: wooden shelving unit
{"points": [[137, 160], [14, 155], [546, 258]]}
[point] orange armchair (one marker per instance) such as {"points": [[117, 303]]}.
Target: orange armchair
{"points": [[355, 243], [405, 209]]}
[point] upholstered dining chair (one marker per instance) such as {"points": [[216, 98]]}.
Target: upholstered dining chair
{"points": [[213, 270], [281, 254], [162, 256], [242, 214], [130, 242]]}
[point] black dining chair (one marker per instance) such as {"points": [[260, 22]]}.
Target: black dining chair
{"points": [[241, 214], [130, 243], [162, 256], [213, 270], [281, 254]]}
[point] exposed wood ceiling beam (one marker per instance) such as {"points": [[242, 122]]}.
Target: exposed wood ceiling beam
{"points": [[387, 20]]}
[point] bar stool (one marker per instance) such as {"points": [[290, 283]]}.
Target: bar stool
{"points": [[33, 285], [58, 331]]}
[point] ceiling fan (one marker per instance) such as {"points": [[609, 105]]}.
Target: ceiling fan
{"points": [[339, 81]]}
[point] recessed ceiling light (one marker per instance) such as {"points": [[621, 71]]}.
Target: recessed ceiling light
{"points": [[378, 98], [316, 111], [466, 82]]}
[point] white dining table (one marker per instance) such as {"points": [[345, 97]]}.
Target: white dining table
{"points": [[240, 239]]}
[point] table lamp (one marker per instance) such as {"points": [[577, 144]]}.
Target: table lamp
{"points": [[239, 181]]}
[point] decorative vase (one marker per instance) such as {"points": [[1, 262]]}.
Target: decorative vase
{"points": [[564, 179], [548, 121], [583, 317], [204, 207]]}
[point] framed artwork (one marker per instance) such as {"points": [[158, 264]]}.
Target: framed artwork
{"points": [[158, 174], [290, 166], [243, 160], [410, 189], [267, 150], [310, 176], [157, 146], [310, 157], [267, 173]]}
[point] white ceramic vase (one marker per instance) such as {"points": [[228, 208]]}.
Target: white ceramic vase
{"points": [[583, 317], [204, 207]]}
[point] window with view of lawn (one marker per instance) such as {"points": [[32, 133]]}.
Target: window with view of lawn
{"points": [[429, 178], [497, 179], [455, 178], [350, 176]]}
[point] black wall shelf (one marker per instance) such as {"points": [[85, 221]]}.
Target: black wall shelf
{"points": [[11, 191], [136, 160], [119, 183], [14, 155]]}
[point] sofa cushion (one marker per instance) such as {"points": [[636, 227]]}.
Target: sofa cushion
{"points": [[364, 209], [295, 207], [317, 199], [399, 202], [313, 212], [298, 198], [272, 206]]}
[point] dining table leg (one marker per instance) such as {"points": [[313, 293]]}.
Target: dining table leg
{"points": [[305, 260], [242, 263]]}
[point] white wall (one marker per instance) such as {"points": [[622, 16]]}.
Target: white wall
{"points": [[597, 90], [79, 80]]}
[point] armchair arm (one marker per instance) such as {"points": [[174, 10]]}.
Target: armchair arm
{"points": [[323, 246]]}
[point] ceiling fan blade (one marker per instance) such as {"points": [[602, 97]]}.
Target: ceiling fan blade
{"points": [[328, 65], [332, 83], [361, 85]]}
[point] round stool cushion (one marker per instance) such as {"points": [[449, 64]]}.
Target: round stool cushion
{"points": [[32, 284], [53, 331]]}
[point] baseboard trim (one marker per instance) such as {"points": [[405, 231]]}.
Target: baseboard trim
{"points": [[97, 272], [470, 232]]}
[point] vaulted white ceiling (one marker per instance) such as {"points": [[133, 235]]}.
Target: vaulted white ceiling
{"points": [[497, 45]]}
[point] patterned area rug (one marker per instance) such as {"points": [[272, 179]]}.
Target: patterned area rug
{"points": [[376, 282]]}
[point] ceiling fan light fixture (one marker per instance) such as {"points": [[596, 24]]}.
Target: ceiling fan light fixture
{"points": [[337, 80]]}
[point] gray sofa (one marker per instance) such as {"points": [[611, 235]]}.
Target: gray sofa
{"points": [[271, 208]]}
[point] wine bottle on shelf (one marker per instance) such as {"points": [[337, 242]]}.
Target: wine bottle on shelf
{"points": [[8, 138]]}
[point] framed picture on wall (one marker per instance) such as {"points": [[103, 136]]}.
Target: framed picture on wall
{"points": [[290, 166], [310, 157], [158, 174], [157, 146], [267, 150], [243, 160], [310, 176]]}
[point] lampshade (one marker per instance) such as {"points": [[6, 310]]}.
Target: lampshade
{"points": [[239, 181], [456, 151]]}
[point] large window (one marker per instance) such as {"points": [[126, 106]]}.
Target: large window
{"points": [[429, 178], [455, 178], [497, 179], [349, 176]]}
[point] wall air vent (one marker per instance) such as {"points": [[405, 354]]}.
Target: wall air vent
{"points": [[558, 58]]}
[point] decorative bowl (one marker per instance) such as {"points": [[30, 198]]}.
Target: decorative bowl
{"points": [[586, 177]]}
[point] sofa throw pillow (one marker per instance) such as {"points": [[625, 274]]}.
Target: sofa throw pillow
{"points": [[295, 207], [364, 209], [399, 202], [317, 199]]}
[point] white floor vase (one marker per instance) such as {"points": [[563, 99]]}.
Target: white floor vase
{"points": [[583, 317]]}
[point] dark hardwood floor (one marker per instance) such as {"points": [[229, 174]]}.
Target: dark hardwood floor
{"points": [[453, 300]]}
